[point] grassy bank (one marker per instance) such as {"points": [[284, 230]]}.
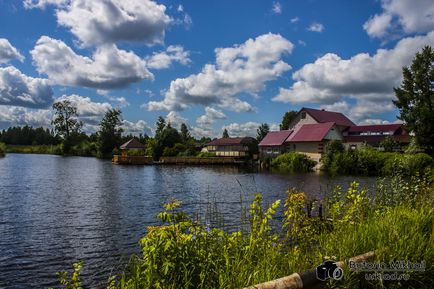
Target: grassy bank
{"points": [[398, 223], [2, 149], [293, 162], [371, 162]]}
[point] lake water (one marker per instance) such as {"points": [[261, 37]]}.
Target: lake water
{"points": [[57, 210]]}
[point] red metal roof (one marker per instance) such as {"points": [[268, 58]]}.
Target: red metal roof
{"points": [[310, 132], [227, 141], [376, 138], [375, 128], [275, 138], [323, 116]]}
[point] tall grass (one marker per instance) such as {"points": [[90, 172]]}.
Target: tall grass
{"points": [[2, 149], [34, 149], [184, 253]]}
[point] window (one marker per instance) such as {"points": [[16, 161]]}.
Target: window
{"points": [[303, 115]]}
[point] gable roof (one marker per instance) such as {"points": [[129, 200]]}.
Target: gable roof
{"points": [[310, 132], [227, 141], [323, 116], [132, 144], [375, 128], [275, 138]]}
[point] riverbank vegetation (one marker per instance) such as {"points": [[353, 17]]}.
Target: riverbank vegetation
{"points": [[293, 162], [371, 162], [2, 149], [397, 222]]}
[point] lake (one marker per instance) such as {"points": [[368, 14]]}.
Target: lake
{"points": [[56, 210]]}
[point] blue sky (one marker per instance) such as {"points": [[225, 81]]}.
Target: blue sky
{"points": [[211, 64]]}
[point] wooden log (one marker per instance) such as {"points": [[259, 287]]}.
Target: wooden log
{"points": [[308, 278]]}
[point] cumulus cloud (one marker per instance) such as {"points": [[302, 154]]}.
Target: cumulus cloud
{"points": [[112, 21], [8, 52], [242, 129], [277, 8], [164, 59], [85, 106], [316, 27], [408, 16], [18, 116], [210, 116], [175, 119], [136, 128], [239, 69], [330, 78], [29, 4], [109, 67], [19, 89]]}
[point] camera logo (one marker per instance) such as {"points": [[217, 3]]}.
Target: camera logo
{"points": [[329, 270]]}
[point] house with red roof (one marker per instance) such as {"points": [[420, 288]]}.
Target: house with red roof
{"points": [[231, 146], [311, 129]]}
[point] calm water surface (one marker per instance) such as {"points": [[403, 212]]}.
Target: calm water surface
{"points": [[57, 210]]}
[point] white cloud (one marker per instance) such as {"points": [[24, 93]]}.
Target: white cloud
{"points": [[175, 119], [18, 116], [242, 129], [408, 16], [109, 66], [210, 116], [85, 106], [199, 132], [8, 52], [239, 69], [136, 128], [29, 4], [362, 110], [294, 20], [362, 77], [377, 25], [277, 8], [112, 21], [19, 89], [164, 59], [316, 27]]}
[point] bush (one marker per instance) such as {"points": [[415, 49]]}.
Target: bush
{"points": [[206, 155], [294, 162], [407, 164], [2, 149]]}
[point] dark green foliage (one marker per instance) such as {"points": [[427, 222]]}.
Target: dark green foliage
{"points": [[166, 138], [293, 162], [2, 149], [415, 97], [110, 131], [370, 162], [288, 117], [331, 149], [389, 144], [65, 119], [174, 151], [27, 135], [225, 133], [262, 131], [185, 134]]}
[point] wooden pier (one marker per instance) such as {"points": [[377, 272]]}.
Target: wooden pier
{"points": [[132, 160], [146, 160]]}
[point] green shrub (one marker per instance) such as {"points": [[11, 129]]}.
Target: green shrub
{"points": [[206, 155], [2, 149], [293, 162], [407, 164]]}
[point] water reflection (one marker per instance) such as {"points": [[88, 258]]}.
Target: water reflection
{"points": [[56, 210]]}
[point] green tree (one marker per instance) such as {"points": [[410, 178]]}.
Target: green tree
{"points": [[161, 125], [110, 132], [185, 134], [415, 97], [288, 117], [389, 144], [166, 139], [66, 124], [225, 133], [262, 131]]}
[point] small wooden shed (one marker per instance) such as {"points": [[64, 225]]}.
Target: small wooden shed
{"points": [[132, 144]]}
